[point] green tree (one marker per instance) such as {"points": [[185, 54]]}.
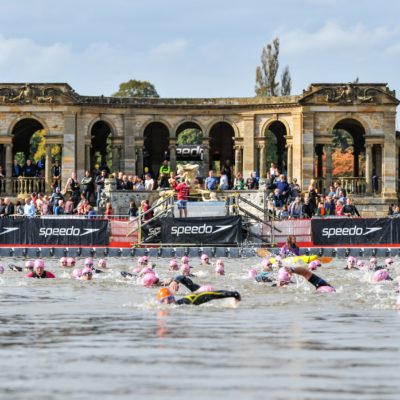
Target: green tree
{"points": [[134, 88], [190, 136], [266, 83]]}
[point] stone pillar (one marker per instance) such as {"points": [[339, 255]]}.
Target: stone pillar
{"points": [[238, 160], [172, 153], [328, 167], [390, 160], [307, 147], [368, 167], [129, 162], [249, 147], [289, 163], [47, 168], [263, 160], [87, 158], [80, 146], [206, 156], [115, 159], [68, 164], [8, 166], [139, 161]]}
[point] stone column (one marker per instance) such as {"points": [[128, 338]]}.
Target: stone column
{"points": [[80, 146], [249, 146], [139, 160], [8, 166], [328, 151], [206, 156], [368, 167], [115, 159], [238, 160], [307, 147], [87, 158], [263, 160], [129, 161], [172, 153], [289, 163], [68, 164], [389, 159], [47, 168]]}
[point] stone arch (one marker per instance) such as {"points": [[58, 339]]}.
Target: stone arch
{"points": [[101, 133], [222, 141], [357, 118], [194, 121], [156, 146], [161, 121], [109, 122], [22, 117], [275, 132], [228, 121]]}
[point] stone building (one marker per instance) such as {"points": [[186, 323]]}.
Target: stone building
{"points": [[145, 130]]}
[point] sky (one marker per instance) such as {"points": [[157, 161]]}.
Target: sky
{"points": [[197, 48]]}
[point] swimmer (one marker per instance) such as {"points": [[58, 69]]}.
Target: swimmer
{"points": [[381, 275], [29, 264], [351, 263], [39, 271], [185, 260], [265, 275], [185, 269], [87, 274], [166, 296], [173, 265], [205, 259], [63, 262], [102, 263], [388, 263], [220, 267], [320, 284], [89, 263], [71, 262], [373, 262]]}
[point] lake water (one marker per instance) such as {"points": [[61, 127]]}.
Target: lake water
{"points": [[68, 339]]}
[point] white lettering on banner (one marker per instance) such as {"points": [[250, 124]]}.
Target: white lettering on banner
{"points": [[197, 230], [65, 231], [354, 231]]}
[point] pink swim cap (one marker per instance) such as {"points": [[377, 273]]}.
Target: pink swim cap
{"points": [[86, 270], [266, 262], [63, 260], [185, 260], [373, 260], [360, 263], [220, 261], [325, 289], [204, 257], [283, 275], [70, 261], [173, 265], [1, 269], [252, 273], [39, 263], [185, 269], [351, 260], [389, 261], [145, 259], [380, 275], [147, 270], [89, 261], [136, 270], [29, 264], [319, 263], [77, 273], [149, 279], [102, 263], [312, 266], [205, 288], [219, 269]]}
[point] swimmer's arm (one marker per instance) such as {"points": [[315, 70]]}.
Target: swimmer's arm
{"points": [[205, 297], [185, 281]]}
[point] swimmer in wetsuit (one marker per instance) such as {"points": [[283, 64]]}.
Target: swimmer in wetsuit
{"points": [[320, 284], [39, 271], [165, 295]]}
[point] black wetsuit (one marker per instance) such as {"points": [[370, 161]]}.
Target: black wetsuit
{"points": [[200, 298], [318, 282]]}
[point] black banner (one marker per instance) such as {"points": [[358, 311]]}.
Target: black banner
{"points": [[54, 231], [354, 231], [151, 232], [215, 230]]}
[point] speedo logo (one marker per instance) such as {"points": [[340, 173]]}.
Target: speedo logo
{"points": [[354, 231], [198, 230], [65, 231]]}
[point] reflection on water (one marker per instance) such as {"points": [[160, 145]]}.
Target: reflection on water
{"points": [[68, 339]]}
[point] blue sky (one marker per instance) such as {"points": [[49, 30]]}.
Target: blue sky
{"points": [[191, 48]]}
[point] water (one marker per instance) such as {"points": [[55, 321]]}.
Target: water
{"points": [[68, 339]]}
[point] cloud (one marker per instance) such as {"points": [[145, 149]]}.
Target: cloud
{"points": [[170, 48], [333, 37]]}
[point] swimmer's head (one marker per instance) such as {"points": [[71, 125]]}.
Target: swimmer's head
{"points": [[389, 261], [185, 260], [373, 260], [325, 289], [220, 261], [173, 265], [63, 262], [204, 258], [77, 273], [70, 261], [267, 264], [102, 263], [312, 266], [205, 288], [380, 275], [185, 269], [149, 279], [89, 262], [283, 276], [145, 259], [360, 264], [87, 273], [38, 264], [29, 264], [351, 260], [318, 262], [164, 295], [220, 269], [252, 273]]}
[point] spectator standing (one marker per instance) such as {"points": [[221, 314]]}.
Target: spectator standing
{"points": [[56, 173], [56, 197], [100, 181], [29, 170], [109, 212], [350, 210], [223, 181], [16, 169], [133, 211], [87, 185], [238, 183], [165, 168], [252, 182], [19, 209], [9, 207], [295, 208], [59, 208], [163, 181], [149, 182], [73, 185], [29, 209], [307, 210], [183, 195], [211, 181], [227, 170]]}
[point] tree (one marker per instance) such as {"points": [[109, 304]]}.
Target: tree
{"points": [[134, 88], [266, 84], [190, 136]]}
